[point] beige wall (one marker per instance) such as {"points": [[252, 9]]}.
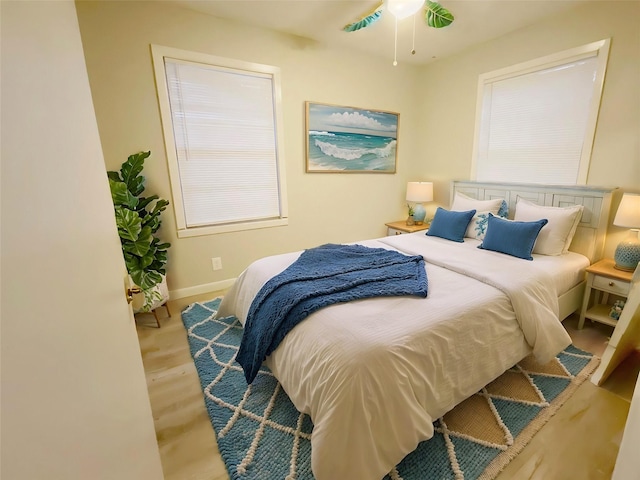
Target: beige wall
{"points": [[322, 207], [436, 102], [448, 105]]}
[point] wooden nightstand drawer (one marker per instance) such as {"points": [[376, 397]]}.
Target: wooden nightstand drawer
{"points": [[611, 285]]}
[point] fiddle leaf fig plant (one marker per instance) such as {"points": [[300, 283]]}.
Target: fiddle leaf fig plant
{"points": [[138, 220]]}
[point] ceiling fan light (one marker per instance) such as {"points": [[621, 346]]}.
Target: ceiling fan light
{"points": [[403, 8]]}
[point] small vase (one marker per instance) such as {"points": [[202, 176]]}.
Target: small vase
{"points": [[410, 221]]}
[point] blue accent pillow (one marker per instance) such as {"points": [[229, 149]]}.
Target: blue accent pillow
{"points": [[513, 238], [504, 209], [449, 224]]}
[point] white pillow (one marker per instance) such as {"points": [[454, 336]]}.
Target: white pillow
{"points": [[555, 237], [462, 203]]}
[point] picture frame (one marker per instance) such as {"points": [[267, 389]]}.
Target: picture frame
{"points": [[342, 139]]}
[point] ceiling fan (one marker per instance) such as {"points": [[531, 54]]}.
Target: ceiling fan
{"points": [[435, 16]]}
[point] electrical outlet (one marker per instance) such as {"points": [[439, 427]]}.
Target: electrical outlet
{"points": [[216, 263]]}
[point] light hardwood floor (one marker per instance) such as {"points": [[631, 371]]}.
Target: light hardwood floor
{"points": [[580, 442]]}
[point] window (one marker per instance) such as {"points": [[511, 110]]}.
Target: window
{"points": [[536, 121], [223, 133]]}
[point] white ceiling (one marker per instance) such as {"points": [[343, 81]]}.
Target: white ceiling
{"points": [[475, 21]]}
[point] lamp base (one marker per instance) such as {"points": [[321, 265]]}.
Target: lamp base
{"points": [[419, 213], [627, 253], [624, 269]]}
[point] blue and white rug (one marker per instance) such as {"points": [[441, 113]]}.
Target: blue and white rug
{"points": [[261, 436]]}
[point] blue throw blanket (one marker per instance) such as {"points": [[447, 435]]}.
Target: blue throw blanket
{"points": [[320, 277]]}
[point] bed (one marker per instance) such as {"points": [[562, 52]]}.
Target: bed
{"points": [[374, 374]]}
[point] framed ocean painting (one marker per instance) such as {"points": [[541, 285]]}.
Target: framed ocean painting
{"points": [[350, 140]]}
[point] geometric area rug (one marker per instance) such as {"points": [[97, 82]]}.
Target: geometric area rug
{"points": [[261, 436]]}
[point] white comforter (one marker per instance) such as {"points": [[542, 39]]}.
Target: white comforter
{"points": [[374, 374]]}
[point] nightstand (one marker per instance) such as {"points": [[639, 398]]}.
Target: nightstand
{"points": [[398, 228], [602, 280]]}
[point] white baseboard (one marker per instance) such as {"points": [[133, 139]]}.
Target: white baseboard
{"points": [[198, 289]]}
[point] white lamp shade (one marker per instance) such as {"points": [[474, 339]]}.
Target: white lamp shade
{"points": [[628, 214], [404, 8], [419, 192]]}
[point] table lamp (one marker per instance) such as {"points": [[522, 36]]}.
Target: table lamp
{"points": [[418, 193], [627, 253]]}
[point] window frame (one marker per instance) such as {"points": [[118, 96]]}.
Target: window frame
{"points": [[599, 49], [159, 53]]}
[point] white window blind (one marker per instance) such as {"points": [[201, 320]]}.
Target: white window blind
{"points": [[224, 131], [537, 124]]}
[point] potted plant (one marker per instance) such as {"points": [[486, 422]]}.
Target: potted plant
{"points": [[138, 220], [410, 220]]}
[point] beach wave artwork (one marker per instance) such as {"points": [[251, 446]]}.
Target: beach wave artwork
{"points": [[350, 139]]}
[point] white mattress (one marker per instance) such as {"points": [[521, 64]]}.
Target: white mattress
{"points": [[374, 374]]}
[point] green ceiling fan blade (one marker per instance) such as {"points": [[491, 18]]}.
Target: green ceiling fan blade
{"points": [[437, 16], [365, 21]]}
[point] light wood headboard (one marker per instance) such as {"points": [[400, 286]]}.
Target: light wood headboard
{"points": [[590, 235]]}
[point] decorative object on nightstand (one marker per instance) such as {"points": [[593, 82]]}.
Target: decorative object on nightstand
{"points": [[616, 309], [627, 253], [400, 227], [603, 279], [418, 193], [410, 221]]}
